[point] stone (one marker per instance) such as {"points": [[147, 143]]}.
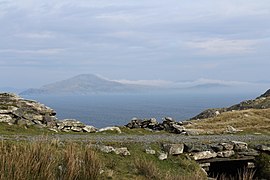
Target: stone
{"points": [[5, 118], [196, 147], [249, 152], [53, 129], [204, 155], [173, 149], [178, 128], [150, 151], [106, 149], [23, 111], [117, 129], [76, 129], [122, 151], [227, 146], [89, 129], [225, 154], [217, 147], [232, 130], [169, 119], [240, 146], [162, 156], [263, 148]]}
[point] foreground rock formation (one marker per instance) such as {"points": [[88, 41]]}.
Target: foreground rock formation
{"points": [[16, 110], [19, 111]]}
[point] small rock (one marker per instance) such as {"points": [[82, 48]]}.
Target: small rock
{"points": [[227, 146], [249, 152], [217, 147], [150, 151], [106, 149], [263, 148], [204, 155], [232, 130], [162, 156], [240, 146], [76, 129], [117, 129], [53, 129], [174, 149], [89, 129], [122, 151], [226, 154]]}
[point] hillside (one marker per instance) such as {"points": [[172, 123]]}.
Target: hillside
{"points": [[261, 102], [84, 84], [248, 116]]}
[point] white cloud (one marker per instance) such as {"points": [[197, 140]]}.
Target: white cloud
{"points": [[220, 46], [36, 35], [38, 51], [146, 82]]}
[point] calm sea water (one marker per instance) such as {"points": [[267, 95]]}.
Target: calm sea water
{"points": [[108, 110]]}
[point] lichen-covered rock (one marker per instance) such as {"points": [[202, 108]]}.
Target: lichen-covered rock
{"points": [[240, 146], [89, 129], [150, 151], [204, 155], [15, 110], [227, 146], [116, 129], [173, 149], [106, 149], [263, 148], [162, 156], [225, 154], [122, 151]]}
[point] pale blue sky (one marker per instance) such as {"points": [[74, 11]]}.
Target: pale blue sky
{"points": [[173, 40]]}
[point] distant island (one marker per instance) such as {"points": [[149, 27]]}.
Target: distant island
{"points": [[85, 84]]}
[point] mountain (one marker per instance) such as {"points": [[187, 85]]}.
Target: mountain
{"points": [[207, 86], [85, 84]]}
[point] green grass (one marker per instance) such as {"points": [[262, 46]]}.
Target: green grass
{"points": [[6, 129], [52, 159]]}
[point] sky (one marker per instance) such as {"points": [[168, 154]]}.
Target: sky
{"points": [[134, 40]]}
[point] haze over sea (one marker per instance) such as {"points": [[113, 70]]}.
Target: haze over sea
{"points": [[108, 110]]}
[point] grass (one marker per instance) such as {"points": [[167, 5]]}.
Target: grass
{"points": [[250, 121], [55, 160], [6, 129], [43, 160]]}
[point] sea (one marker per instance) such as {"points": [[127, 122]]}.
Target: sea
{"points": [[102, 110]]}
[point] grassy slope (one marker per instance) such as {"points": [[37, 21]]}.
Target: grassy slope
{"points": [[250, 121]]}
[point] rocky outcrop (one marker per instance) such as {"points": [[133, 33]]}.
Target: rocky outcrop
{"points": [[16, 110], [168, 124], [266, 94], [73, 125], [261, 102]]}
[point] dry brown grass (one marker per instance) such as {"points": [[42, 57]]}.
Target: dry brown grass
{"points": [[245, 174], [250, 121], [147, 168], [41, 160]]}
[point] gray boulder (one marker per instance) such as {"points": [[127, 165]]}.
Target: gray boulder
{"points": [[173, 149], [204, 155]]}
